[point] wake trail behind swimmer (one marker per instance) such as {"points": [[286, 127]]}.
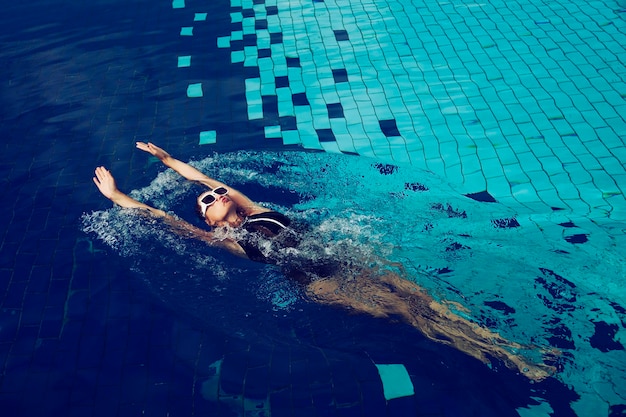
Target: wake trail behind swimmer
{"points": [[263, 235]]}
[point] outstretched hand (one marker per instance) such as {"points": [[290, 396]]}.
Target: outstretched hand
{"points": [[153, 150], [105, 182]]}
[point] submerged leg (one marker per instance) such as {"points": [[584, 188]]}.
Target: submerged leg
{"points": [[388, 295]]}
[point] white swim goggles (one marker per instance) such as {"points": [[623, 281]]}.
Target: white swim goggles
{"points": [[207, 198]]}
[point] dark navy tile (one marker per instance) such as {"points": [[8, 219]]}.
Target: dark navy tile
{"points": [[133, 383], [45, 353], [111, 369], [156, 403], [80, 411], [404, 406], [4, 354], [131, 409], [300, 99], [325, 135], [9, 320], [250, 40], [293, 62], [305, 412], [335, 110], [280, 372], [346, 389], [84, 388], [91, 351], [46, 252], [301, 396], [341, 35], [257, 384], [58, 292], [340, 75], [118, 304], [77, 304], [282, 81], [106, 401], [136, 350], [317, 371], [389, 127], [288, 123], [259, 356], [364, 369], [234, 369], [15, 377], [322, 395], [26, 339], [14, 298], [39, 281], [32, 312], [373, 398], [233, 344], [180, 406], [270, 107], [116, 334], [276, 38], [280, 401], [351, 411]]}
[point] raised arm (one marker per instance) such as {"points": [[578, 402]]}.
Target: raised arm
{"points": [[106, 184], [192, 174]]}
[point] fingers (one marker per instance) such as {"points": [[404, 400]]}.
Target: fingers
{"points": [[102, 174]]}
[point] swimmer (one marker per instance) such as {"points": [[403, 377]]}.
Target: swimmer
{"points": [[379, 293]]}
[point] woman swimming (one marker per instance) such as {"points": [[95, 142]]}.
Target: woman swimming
{"points": [[263, 235]]}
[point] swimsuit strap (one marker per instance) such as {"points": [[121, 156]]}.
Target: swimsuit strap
{"points": [[273, 221]]}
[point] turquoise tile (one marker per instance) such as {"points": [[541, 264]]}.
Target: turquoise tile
{"points": [[474, 182], [236, 36], [498, 185], [303, 114], [237, 57], [208, 137], [236, 17], [524, 192], [199, 17], [186, 31], [594, 119], [248, 26], [184, 61], [194, 90], [223, 42], [272, 132], [255, 110], [577, 173], [259, 10], [551, 165], [178, 4], [286, 107], [291, 137], [310, 141], [330, 147], [529, 161]]}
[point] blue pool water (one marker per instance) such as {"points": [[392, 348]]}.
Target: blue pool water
{"points": [[480, 145]]}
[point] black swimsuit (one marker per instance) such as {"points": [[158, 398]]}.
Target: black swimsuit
{"points": [[274, 232], [272, 226]]}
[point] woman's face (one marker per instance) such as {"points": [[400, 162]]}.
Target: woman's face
{"points": [[220, 211]]}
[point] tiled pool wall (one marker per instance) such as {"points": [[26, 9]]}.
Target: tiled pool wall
{"points": [[525, 100]]}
